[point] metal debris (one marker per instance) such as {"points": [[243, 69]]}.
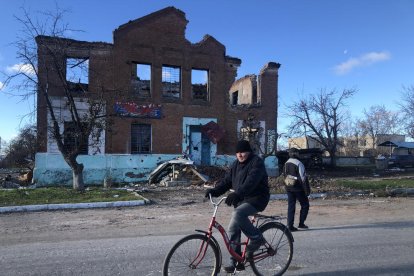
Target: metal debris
{"points": [[180, 171]]}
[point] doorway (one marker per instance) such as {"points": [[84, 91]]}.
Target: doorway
{"points": [[199, 146]]}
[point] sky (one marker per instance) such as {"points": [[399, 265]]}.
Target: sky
{"points": [[365, 45]]}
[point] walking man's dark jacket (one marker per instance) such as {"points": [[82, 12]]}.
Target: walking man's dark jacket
{"points": [[296, 168]]}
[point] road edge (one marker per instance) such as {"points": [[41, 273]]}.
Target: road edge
{"points": [[64, 206]]}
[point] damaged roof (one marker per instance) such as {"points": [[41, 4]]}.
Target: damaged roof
{"points": [[154, 16], [407, 145]]}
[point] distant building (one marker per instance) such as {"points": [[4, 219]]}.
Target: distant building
{"points": [[305, 142], [362, 146], [397, 147]]}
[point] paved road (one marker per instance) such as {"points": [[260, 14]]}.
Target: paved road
{"points": [[350, 243], [364, 249]]}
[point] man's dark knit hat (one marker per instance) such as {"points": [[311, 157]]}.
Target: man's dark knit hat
{"points": [[243, 146]]}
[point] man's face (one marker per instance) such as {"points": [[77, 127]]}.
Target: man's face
{"points": [[242, 156]]}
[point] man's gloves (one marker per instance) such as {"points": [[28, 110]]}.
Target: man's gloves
{"points": [[212, 192], [232, 199]]}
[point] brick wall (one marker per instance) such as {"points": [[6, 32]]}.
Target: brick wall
{"points": [[159, 39]]}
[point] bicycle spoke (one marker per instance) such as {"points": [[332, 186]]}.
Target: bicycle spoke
{"points": [[274, 260], [192, 255]]}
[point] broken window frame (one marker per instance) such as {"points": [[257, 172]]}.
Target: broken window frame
{"points": [[171, 82], [141, 138], [235, 97], [140, 83], [200, 91], [71, 138], [77, 73]]}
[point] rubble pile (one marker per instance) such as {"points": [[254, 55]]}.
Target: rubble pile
{"points": [[182, 172], [214, 173], [14, 178]]}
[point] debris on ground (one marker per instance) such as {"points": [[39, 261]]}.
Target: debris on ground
{"points": [[15, 178], [180, 171]]}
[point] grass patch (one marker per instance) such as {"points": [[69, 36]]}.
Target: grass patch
{"points": [[62, 195], [375, 184]]}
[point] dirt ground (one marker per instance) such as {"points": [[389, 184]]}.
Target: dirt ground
{"points": [[321, 181], [180, 210]]}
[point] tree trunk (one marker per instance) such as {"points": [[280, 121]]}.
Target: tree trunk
{"points": [[332, 159], [78, 184]]}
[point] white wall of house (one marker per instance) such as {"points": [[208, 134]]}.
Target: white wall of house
{"points": [[62, 113]]}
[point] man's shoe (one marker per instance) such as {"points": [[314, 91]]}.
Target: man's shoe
{"points": [[232, 268], [293, 229], [303, 226]]}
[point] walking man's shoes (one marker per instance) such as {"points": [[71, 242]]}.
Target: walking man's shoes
{"points": [[303, 226]]}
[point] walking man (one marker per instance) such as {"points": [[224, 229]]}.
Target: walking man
{"points": [[297, 188]]}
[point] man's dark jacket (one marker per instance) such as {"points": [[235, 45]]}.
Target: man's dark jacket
{"points": [[291, 167], [249, 181]]}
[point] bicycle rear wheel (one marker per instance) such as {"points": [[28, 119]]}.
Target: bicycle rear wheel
{"points": [[279, 256], [193, 255]]}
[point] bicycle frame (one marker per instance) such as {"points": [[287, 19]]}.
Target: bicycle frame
{"points": [[215, 224], [207, 255], [209, 233]]}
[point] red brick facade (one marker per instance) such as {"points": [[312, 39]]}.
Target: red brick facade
{"points": [[158, 40]]}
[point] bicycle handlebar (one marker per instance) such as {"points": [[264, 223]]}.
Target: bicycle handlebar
{"points": [[216, 203]]}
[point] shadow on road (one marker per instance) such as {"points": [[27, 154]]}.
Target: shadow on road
{"points": [[391, 225], [389, 270]]}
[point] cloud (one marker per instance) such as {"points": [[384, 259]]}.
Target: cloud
{"points": [[166, 75], [21, 68], [361, 61], [1, 85]]}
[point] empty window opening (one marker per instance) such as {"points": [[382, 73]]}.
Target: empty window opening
{"points": [[72, 138], [171, 82], [235, 98], [141, 80], [254, 94], [77, 74], [199, 84], [140, 138]]}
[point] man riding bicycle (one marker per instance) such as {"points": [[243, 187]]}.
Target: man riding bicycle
{"points": [[248, 178]]}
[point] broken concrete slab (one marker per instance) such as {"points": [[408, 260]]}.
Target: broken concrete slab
{"points": [[174, 172]]}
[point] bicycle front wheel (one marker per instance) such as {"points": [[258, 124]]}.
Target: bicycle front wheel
{"points": [[192, 255], [276, 259]]}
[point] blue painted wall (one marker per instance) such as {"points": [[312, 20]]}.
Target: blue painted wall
{"points": [[51, 169]]}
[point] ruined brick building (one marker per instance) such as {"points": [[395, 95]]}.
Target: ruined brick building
{"points": [[168, 97]]}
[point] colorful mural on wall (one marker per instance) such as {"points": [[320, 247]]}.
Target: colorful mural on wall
{"points": [[130, 109]]}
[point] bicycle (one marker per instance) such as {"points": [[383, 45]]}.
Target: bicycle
{"points": [[200, 253]]}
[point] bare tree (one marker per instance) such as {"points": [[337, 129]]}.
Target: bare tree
{"points": [[378, 120], [321, 116], [21, 151], [351, 137], [407, 110], [264, 143], [42, 50]]}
